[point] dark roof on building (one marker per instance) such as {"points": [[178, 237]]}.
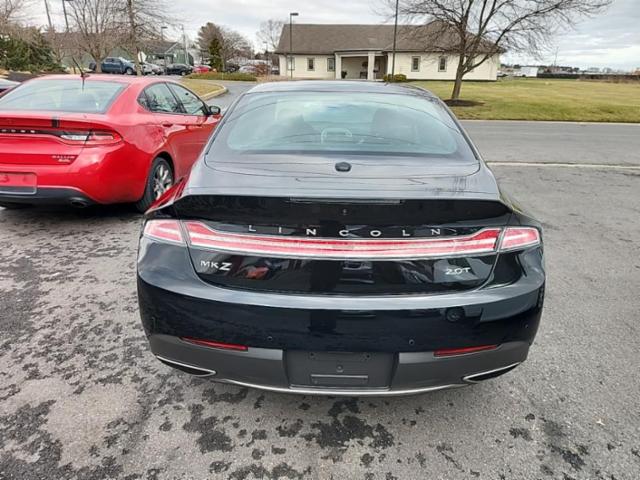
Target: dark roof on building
{"points": [[329, 38]]}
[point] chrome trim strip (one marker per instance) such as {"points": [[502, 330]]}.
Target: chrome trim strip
{"points": [[470, 378], [174, 362], [338, 392]]}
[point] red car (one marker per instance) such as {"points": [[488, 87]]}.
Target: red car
{"points": [[99, 139], [201, 69]]}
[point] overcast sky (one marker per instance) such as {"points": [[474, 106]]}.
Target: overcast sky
{"points": [[610, 40]]}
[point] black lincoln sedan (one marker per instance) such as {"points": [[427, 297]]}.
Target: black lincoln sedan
{"points": [[341, 238]]}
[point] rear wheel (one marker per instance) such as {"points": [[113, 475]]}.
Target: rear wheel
{"points": [[128, 71], [159, 181]]}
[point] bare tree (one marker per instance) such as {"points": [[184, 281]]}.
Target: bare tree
{"points": [[477, 30], [11, 13], [100, 26], [142, 18], [270, 32]]}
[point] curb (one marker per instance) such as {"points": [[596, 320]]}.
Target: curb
{"points": [[215, 94]]}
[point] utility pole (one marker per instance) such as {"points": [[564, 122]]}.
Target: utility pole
{"points": [[46, 7], [64, 9], [133, 34], [290, 66], [395, 36], [184, 44]]}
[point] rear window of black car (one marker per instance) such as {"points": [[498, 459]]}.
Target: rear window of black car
{"points": [[72, 95], [348, 122]]}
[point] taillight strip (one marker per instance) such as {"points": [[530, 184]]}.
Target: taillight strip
{"points": [[202, 236]]}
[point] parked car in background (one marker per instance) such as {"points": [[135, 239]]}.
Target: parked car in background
{"points": [[151, 69], [248, 69], [179, 69], [201, 69], [340, 238], [6, 85], [117, 65], [98, 140]]}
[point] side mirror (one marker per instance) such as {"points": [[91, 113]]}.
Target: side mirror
{"points": [[213, 110]]}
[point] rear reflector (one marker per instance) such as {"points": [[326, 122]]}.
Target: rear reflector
{"points": [[452, 352], [212, 344], [164, 231], [519, 237], [200, 235]]}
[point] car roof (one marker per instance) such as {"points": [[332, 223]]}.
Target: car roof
{"points": [[352, 86], [89, 77]]}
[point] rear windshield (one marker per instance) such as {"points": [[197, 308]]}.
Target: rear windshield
{"points": [[70, 95], [347, 122]]}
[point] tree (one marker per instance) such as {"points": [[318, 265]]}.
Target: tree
{"points": [[270, 32], [215, 55], [142, 16], [230, 43], [11, 13], [27, 52], [476, 30], [100, 25]]}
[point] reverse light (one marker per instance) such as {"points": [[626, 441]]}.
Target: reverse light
{"points": [[452, 352], [164, 231], [213, 344], [516, 238], [200, 235]]}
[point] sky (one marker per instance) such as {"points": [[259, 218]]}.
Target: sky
{"points": [[612, 39]]}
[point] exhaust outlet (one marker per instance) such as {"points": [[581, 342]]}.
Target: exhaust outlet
{"points": [[190, 369], [496, 372], [79, 203]]}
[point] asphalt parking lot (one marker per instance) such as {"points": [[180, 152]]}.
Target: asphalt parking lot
{"points": [[81, 397]]}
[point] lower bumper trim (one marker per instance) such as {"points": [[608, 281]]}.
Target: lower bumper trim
{"points": [[344, 392]]}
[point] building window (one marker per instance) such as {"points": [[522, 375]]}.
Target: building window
{"points": [[442, 64], [331, 64], [291, 64], [415, 64], [311, 64]]}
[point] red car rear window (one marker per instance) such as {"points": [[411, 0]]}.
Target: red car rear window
{"points": [[72, 95]]}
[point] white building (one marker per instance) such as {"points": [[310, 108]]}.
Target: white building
{"points": [[365, 52]]}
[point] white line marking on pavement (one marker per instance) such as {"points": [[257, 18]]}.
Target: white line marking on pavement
{"points": [[567, 165]]}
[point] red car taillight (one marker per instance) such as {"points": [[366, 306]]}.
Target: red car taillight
{"points": [[164, 231], [90, 138]]}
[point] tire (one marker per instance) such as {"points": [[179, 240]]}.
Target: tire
{"points": [[128, 71], [159, 181], [183, 73]]}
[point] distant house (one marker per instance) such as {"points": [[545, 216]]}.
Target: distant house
{"points": [[164, 52], [365, 52], [529, 71]]}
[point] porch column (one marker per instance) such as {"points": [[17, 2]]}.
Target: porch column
{"points": [[338, 66], [371, 65]]}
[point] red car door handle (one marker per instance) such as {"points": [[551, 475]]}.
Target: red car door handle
{"points": [[167, 124]]}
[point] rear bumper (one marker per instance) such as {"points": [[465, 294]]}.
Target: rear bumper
{"points": [[268, 369], [110, 174], [48, 196], [175, 302]]}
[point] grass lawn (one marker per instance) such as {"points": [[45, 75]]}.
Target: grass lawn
{"points": [[545, 99], [203, 88]]}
